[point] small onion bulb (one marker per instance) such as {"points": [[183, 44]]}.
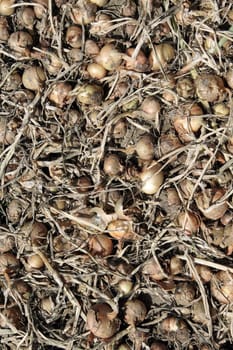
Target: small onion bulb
{"points": [[33, 78], [161, 55], [151, 178], [5, 7], [109, 57]]}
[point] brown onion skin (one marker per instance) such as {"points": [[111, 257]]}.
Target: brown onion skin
{"points": [[99, 321], [135, 311], [101, 245], [209, 87]]}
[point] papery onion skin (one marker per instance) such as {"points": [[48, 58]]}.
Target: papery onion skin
{"points": [[151, 178]]}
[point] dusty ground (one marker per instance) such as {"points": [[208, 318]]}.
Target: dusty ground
{"points": [[116, 178]]}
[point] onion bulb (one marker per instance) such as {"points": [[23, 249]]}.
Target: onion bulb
{"points": [[20, 42], [221, 286], [34, 262], [151, 108], [100, 245], [12, 315], [8, 263], [90, 94], [145, 148], [109, 57], [135, 312], [101, 321], [229, 78], [189, 222], [33, 78], [153, 270], [96, 71], [138, 63], [209, 87], [158, 346], [99, 3], [120, 229], [151, 178], [176, 328], [60, 93], [84, 12], [74, 36], [4, 30], [5, 7], [160, 56], [112, 165], [210, 204], [184, 293]]}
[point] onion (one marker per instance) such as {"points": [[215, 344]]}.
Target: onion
{"points": [[158, 346], [96, 71], [175, 328], [8, 263], [151, 178], [90, 94], [168, 143], [135, 312], [209, 87], [139, 63], [12, 315], [109, 57], [20, 42], [5, 7], [47, 305], [145, 147], [187, 125], [120, 229], [91, 48], [161, 55], [207, 202], [101, 321], [84, 12], [34, 262], [83, 184], [184, 293], [189, 222], [33, 78], [101, 245], [74, 36], [75, 55], [221, 286], [151, 107], [21, 288], [41, 9], [229, 78], [99, 3], [101, 25], [15, 210], [185, 87], [112, 165], [125, 287], [153, 270], [7, 243], [204, 272], [176, 265], [27, 16], [60, 93], [119, 129], [221, 109], [4, 31]]}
